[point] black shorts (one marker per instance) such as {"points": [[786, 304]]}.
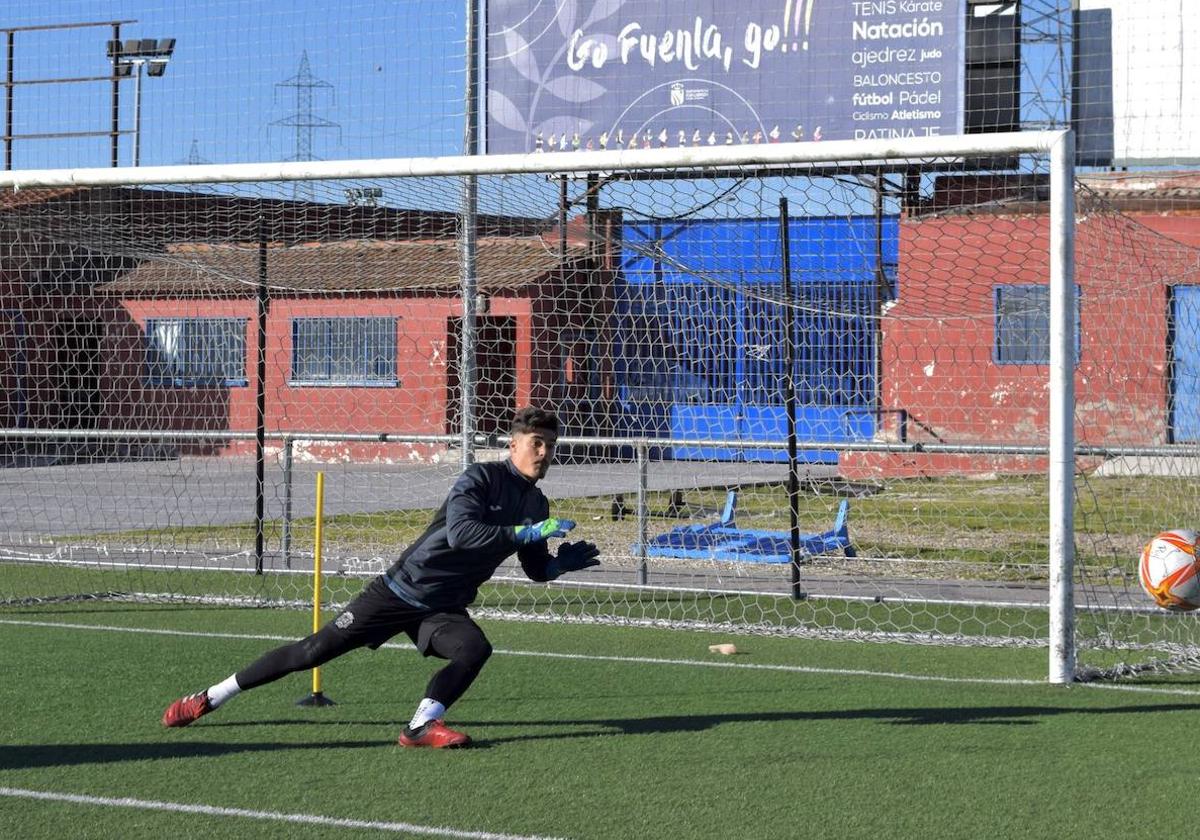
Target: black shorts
{"points": [[377, 614]]}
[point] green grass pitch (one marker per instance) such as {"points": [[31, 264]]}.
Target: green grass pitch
{"points": [[581, 732]]}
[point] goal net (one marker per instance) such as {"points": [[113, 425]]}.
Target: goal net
{"points": [[838, 390]]}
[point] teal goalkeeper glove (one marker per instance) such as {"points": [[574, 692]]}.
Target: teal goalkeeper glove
{"points": [[572, 557], [542, 531]]}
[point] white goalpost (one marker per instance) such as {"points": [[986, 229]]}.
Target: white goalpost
{"points": [[226, 338], [1062, 410], [865, 153]]}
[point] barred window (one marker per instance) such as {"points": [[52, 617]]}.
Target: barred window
{"points": [[1023, 325], [196, 351], [344, 351]]}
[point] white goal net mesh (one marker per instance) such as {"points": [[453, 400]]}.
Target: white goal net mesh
{"points": [[178, 361]]}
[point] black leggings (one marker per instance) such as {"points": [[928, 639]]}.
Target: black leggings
{"points": [[460, 642]]}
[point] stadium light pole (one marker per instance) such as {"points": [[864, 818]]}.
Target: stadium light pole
{"points": [[129, 58]]}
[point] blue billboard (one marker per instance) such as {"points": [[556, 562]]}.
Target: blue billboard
{"points": [[567, 75]]}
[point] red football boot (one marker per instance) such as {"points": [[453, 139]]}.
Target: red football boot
{"points": [[434, 734], [186, 710]]}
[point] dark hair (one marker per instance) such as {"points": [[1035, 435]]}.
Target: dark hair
{"points": [[530, 419]]}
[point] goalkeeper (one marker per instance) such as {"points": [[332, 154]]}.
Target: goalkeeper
{"points": [[493, 510]]}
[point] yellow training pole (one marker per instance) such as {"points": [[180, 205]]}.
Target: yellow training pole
{"points": [[317, 698]]}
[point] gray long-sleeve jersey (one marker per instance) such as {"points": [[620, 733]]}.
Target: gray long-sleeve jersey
{"points": [[470, 536]]}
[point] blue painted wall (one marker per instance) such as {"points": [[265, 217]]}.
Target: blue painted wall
{"points": [[701, 330], [1185, 367]]}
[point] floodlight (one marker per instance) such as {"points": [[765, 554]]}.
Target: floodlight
{"points": [[129, 57]]}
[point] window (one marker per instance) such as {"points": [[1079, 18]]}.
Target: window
{"points": [[196, 351], [1023, 325], [344, 351]]}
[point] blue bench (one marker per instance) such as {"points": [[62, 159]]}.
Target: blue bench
{"points": [[723, 540]]}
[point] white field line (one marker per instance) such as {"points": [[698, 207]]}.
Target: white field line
{"points": [[636, 660], [271, 816]]}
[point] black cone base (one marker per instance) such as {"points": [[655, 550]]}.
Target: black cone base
{"points": [[315, 699]]}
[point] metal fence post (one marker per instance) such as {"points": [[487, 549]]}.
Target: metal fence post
{"points": [[286, 537], [643, 513]]}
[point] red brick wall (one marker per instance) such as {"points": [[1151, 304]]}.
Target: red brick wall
{"points": [[417, 405], [937, 350]]}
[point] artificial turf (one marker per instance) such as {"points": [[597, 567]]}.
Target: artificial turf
{"points": [[581, 732]]}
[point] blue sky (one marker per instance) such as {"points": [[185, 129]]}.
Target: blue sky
{"points": [[394, 67]]}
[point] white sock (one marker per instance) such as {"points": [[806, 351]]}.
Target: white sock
{"points": [[223, 691], [427, 710]]}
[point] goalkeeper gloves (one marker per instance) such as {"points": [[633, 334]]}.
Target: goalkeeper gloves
{"points": [[572, 557], [542, 531]]}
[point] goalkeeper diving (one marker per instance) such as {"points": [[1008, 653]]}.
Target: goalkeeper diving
{"points": [[493, 511]]}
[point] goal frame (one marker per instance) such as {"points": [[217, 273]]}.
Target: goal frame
{"points": [[890, 153]]}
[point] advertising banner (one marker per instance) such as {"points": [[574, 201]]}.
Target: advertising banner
{"points": [[603, 74]]}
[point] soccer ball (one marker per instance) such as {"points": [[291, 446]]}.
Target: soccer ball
{"points": [[1170, 572]]}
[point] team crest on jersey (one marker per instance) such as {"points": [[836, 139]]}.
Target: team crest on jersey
{"points": [[344, 620]]}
